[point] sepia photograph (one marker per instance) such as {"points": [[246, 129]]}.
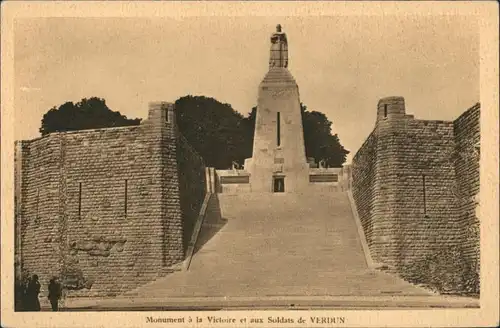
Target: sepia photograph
{"points": [[264, 164]]}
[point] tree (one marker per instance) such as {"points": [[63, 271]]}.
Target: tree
{"points": [[214, 129], [92, 113], [319, 141], [219, 134], [248, 129]]}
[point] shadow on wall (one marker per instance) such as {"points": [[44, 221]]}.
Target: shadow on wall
{"points": [[212, 224], [192, 186], [449, 271]]}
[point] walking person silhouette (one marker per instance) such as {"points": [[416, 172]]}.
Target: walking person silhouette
{"points": [[32, 294], [54, 293]]}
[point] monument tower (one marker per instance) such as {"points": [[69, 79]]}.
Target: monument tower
{"points": [[278, 162]]}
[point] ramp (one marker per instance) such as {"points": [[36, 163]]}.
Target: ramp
{"points": [[278, 245]]}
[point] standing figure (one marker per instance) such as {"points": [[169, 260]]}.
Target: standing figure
{"points": [[54, 293], [32, 294], [279, 49], [20, 295]]}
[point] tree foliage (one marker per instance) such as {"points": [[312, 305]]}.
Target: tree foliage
{"points": [[319, 141], [92, 113], [214, 129], [219, 134]]}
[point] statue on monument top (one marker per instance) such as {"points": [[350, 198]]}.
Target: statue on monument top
{"points": [[279, 49]]}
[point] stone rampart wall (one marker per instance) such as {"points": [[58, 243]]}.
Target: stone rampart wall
{"points": [[38, 219], [466, 159], [405, 183], [192, 185], [106, 209], [363, 183], [414, 220]]}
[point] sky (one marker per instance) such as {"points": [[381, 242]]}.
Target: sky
{"points": [[342, 64]]}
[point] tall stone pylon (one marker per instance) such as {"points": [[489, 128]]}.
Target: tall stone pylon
{"points": [[278, 162]]}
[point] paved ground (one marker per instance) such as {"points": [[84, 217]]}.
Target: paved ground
{"points": [[275, 303], [279, 245], [281, 252]]}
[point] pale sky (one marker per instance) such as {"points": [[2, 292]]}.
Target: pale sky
{"points": [[342, 64]]}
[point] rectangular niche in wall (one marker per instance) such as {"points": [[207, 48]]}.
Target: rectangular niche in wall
{"points": [[279, 184]]}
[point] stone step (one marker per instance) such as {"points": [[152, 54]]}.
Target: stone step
{"points": [[278, 244]]}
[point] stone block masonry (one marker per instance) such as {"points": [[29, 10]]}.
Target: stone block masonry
{"points": [[466, 160], [192, 185], [106, 209], [414, 183]]}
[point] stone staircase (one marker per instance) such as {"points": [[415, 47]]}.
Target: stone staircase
{"points": [[278, 245]]}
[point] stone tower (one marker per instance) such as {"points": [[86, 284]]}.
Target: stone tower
{"points": [[278, 162]]}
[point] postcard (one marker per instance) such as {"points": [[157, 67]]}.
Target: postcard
{"points": [[249, 164]]}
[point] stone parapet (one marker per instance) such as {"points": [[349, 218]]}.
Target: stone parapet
{"points": [[405, 180], [106, 209]]}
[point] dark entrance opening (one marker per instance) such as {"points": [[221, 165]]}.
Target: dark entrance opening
{"points": [[279, 184]]}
